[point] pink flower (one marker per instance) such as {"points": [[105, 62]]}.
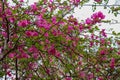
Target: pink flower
{"points": [[97, 17], [51, 1], [52, 50], [97, 1], [31, 33], [92, 36], [21, 0], [8, 12], [46, 35], [23, 23], [101, 15], [32, 49], [23, 55], [11, 19], [35, 55], [0, 50], [68, 78], [54, 19], [103, 33], [112, 63], [9, 73], [70, 28], [102, 52], [4, 34], [81, 28], [100, 78], [12, 55], [82, 74], [33, 65], [119, 52], [91, 43], [34, 7], [102, 41], [35, 33], [90, 76], [88, 21], [57, 54]]}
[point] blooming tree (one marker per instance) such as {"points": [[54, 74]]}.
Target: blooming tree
{"points": [[37, 42]]}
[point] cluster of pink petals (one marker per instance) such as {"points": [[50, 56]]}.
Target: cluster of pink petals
{"points": [[68, 78], [33, 65], [23, 23], [102, 52], [4, 34], [30, 33], [75, 1], [42, 23], [34, 7], [12, 55], [0, 50], [95, 18], [33, 49], [98, 0], [103, 33], [112, 63], [53, 51], [24, 55]]}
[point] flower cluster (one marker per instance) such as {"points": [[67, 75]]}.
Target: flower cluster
{"points": [[95, 18]]}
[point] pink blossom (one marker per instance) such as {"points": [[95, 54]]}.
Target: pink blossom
{"points": [[82, 74], [23, 23], [101, 15], [24, 55], [52, 50], [21, 0], [57, 54], [47, 41], [112, 63], [4, 34], [35, 55], [92, 36], [100, 78], [81, 28], [91, 43], [46, 35], [119, 52], [102, 40], [34, 7], [102, 52], [54, 32], [97, 1], [70, 28], [48, 71], [51, 1], [68, 78], [12, 55], [8, 12], [32, 49], [98, 16], [42, 23], [33, 65], [54, 19], [0, 50], [103, 33], [9, 73], [88, 21], [11, 19], [90, 76], [31, 33]]}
